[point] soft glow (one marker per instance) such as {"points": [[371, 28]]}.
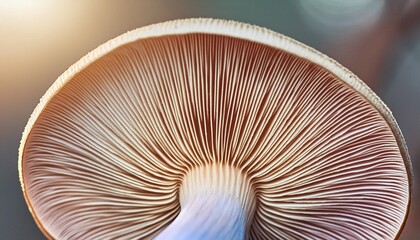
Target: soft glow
{"points": [[21, 8], [340, 14]]}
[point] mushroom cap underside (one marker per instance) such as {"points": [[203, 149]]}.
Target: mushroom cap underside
{"points": [[111, 142]]}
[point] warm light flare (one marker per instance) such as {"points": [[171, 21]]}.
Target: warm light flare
{"points": [[22, 8]]}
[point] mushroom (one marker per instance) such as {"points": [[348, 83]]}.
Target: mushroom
{"points": [[211, 129]]}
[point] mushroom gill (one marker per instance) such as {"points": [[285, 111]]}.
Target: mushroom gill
{"points": [[238, 131]]}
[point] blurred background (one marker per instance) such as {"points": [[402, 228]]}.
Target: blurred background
{"points": [[39, 39]]}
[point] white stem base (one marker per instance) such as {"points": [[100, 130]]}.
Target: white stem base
{"points": [[216, 203]]}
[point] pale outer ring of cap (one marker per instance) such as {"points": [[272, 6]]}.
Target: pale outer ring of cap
{"points": [[224, 28]]}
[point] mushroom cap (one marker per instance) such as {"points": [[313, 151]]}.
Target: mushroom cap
{"points": [[106, 150]]}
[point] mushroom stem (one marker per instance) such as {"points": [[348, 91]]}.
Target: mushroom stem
{"points": [[217, 202]]}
